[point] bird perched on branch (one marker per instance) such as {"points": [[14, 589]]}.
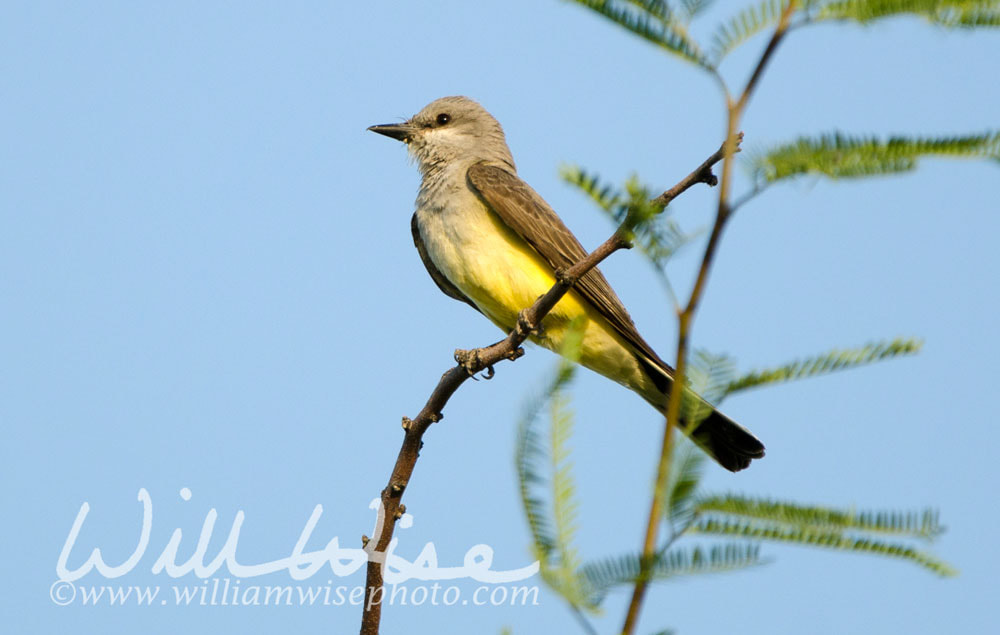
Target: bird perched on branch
{"points": [[492, 242]]}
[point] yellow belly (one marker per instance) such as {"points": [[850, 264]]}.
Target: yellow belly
{"points": [[502, 275]]}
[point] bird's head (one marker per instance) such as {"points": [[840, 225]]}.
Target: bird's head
{"points": [[448, 130]]}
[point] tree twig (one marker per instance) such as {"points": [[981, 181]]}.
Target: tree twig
{"points": [[469, 363], [701, 174]]}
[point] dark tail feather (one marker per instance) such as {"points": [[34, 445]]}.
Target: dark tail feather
{"points": [[726, 441], [730, 444]]}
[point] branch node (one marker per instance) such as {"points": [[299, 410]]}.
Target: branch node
{"points": [[398, 487], [564, 278], [365, 540], [621, 238], [708, 177], [407, 423], [516, 353], [469, 360], [525, 326], [435, 417], [399, 512]]}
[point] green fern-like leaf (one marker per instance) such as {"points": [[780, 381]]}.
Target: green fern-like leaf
{"points": [[746, 24], [693, 8], [840, 156], [710, 374], [685, 476], [605, 196], [531, 453], [564, 503], [570, 350], [552, 518], [923, 524], [529, 456], [657, 236], [974, 19], [826, 363], [706, 379], [653, 21], [602, 576], [948, 13], [755, 530]]}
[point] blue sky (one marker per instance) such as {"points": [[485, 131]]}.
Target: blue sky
{"points": [[209, 283]]}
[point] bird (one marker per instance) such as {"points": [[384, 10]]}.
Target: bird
{"points": [[488, 239]]}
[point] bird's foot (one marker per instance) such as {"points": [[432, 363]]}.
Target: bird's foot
{"points": [[472, 362], [525, 325]]}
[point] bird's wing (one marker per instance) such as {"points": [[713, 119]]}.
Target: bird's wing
{"points": [[447, 287], [531, 218]]}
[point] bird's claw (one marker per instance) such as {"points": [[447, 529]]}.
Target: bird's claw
{"points": [[472, 362], [469, 360]]}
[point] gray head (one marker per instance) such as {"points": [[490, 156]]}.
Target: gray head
{"points": [[448, 130]]}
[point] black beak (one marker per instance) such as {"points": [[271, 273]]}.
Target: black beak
{"points": [[399, 131]]}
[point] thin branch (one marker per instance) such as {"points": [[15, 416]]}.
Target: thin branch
{"points": [[779, 33], [701, 174], [584, 622], [685, 318], [735, 114], [748, 196], [470, 363]]}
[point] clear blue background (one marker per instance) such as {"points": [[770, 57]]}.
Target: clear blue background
{"points": [[208, 281]]}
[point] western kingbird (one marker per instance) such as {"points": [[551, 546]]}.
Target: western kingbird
{"points": [[490, 240]]}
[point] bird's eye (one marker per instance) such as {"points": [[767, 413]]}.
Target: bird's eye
{"points": [[443, 118]]}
